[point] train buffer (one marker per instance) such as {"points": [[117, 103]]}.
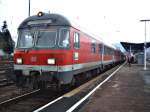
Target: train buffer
{"points": [[127, 91]]}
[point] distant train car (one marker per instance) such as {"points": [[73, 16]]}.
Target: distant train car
{"points": [[51, 50]]}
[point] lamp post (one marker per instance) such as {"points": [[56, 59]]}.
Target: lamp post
{"points": [[145, 20], [29, 9]]}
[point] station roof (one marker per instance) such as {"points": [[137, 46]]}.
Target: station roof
{"points": [[135, 47]]}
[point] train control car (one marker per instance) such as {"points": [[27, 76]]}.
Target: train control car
{"points": [[51, 50]]}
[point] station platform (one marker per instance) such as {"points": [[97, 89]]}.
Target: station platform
{"points": [[127, 91]]}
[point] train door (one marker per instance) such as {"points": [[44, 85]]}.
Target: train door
{"points": [[113, 55], [76, 47], [103, 54]]}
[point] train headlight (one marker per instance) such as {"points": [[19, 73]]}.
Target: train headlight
{"points": [[19, 60], [40, 14], [50, 61]]}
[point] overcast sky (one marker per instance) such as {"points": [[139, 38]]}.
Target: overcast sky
{"points": [[111, 20]]}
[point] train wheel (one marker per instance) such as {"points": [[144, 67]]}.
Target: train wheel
{"points": [[67, 87], [21, 81], [98, 71], [58, 86], [73, 82], [42, 84], [88, 75], [35, 85]]}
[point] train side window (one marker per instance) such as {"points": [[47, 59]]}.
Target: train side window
{"points": [[64, 38], [106, 51], [76, 40], [100, 49], [93, 47]]}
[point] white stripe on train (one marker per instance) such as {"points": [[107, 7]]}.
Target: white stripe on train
{"points": [[63, 68]]}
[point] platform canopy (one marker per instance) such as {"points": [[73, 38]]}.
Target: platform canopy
{"points": [[134, 47]]}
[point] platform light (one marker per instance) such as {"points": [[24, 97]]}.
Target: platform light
{"points": [[50, 61], [145, 20], [29, 7], [19, 60]]}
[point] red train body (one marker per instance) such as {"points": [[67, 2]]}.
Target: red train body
{"points": [[51, 50]]}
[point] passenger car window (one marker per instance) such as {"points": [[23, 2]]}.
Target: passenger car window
{"points": [[100, 48], [93, 47]]}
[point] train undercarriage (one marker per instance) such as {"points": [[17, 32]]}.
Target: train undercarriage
{"points": [[43, 80]]}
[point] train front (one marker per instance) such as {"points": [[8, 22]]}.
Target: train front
{"points": [[42, 46]]}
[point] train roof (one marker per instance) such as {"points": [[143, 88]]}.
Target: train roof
{"points": [[55, 19], [52, 19]]}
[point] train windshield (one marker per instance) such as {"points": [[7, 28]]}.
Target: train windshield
{"points": [[26, 39], [46, 39]]}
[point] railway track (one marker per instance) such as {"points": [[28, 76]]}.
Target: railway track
{"points": [[5, 82], [18, 98], [74, 98], [6, 67], [8, 92], [27, 103]]}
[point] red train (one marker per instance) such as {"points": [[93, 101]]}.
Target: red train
{"points": [[51, 50]]}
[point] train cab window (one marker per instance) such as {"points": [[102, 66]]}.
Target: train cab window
{"points": [[46, 39], [93, 47], [64, 38], [25, 39], [76, 39]]}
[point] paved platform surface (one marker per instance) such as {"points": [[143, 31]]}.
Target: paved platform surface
{"points": [[127, 91]]}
